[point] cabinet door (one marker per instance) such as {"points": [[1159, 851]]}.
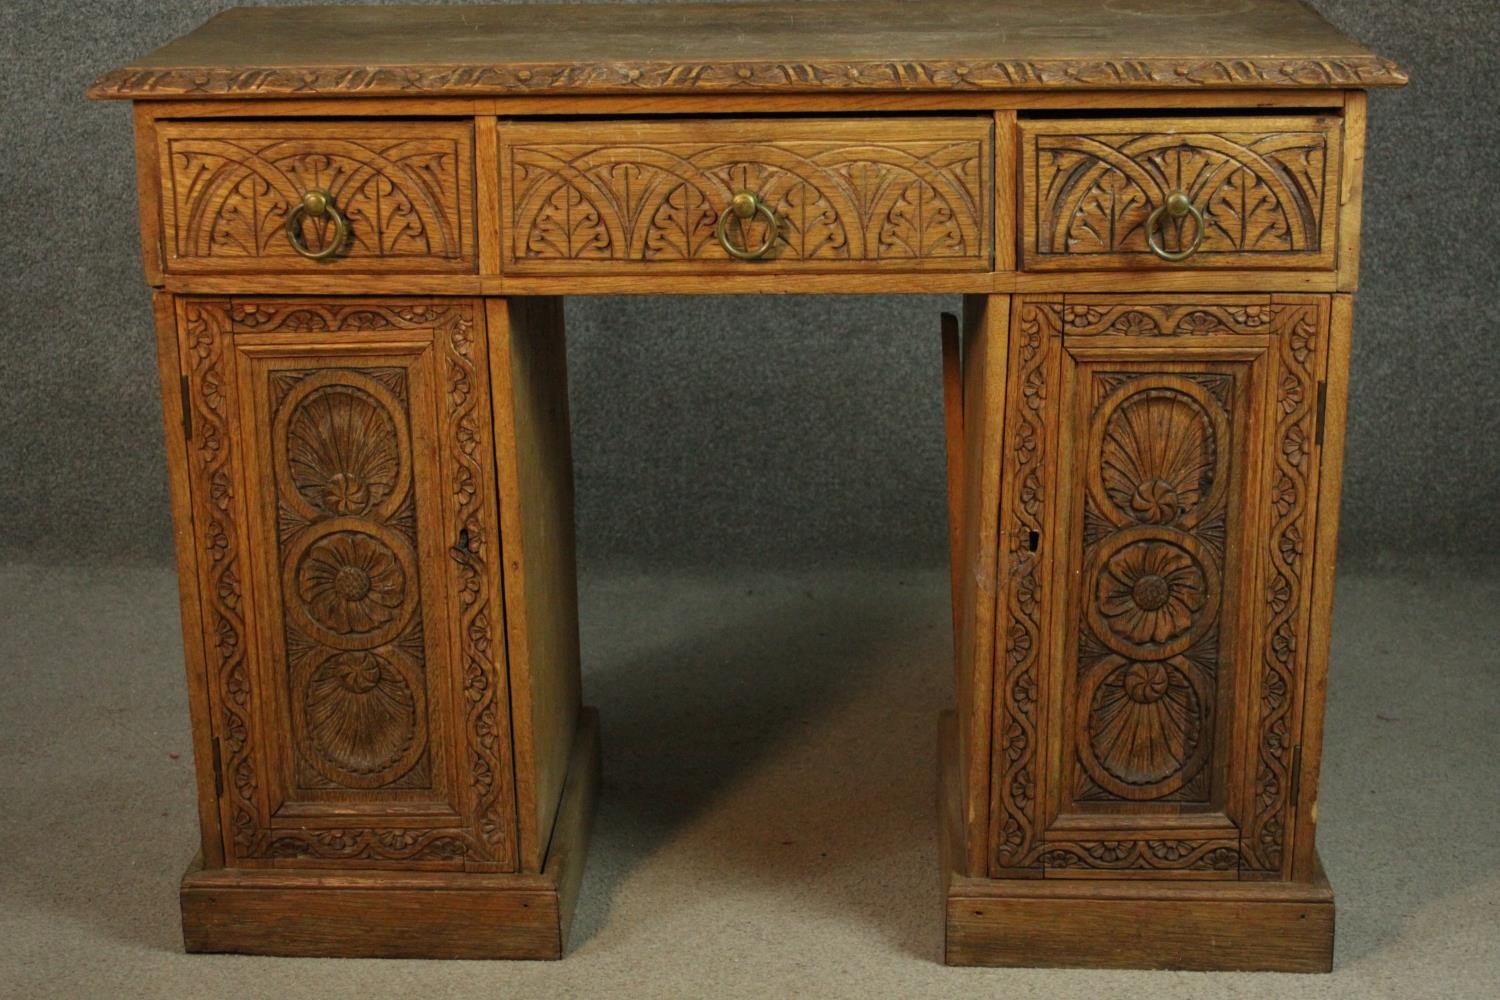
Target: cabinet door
{"points": [[1159, 467], [344, 506]]}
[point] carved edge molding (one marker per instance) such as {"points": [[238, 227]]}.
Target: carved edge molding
{"points": [[209, 326], [668, 77]]}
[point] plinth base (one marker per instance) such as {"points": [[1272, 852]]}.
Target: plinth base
{"points": [[1126, 924], [395, 914]]}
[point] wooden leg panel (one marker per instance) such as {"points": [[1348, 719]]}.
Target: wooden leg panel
{"points": [[394, 914]]}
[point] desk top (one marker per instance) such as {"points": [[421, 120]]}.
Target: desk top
{"points": [[784, 47]]}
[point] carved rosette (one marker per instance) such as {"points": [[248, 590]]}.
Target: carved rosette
{"points": [[659, 200]]}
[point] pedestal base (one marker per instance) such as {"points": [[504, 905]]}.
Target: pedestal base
{"points": [[1126, 924], [394, 914]]}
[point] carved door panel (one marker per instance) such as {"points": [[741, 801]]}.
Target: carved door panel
{"points": [[1160, 453], [344, 497]]}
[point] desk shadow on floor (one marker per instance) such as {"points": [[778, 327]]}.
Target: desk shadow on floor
{"points": [[772, 735]]}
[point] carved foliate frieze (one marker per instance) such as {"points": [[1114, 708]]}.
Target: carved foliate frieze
{"points": [[1142, 856], [231, 188], [870, 198], [473, 563]]}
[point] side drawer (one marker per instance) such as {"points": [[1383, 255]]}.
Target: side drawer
{"points": [[613, 196], [405, 190], [1095, 194]]}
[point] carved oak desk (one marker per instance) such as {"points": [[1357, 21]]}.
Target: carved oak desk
{"points": [[360, 222]]}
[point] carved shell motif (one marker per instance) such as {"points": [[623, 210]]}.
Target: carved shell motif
{"points": [[1159, 456], [361, 719], [344, 451], [1146, 736]]}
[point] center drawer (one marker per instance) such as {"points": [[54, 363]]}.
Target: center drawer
{"points": [[713, 195]]}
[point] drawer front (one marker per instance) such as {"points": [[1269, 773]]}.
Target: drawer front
{"points": [[231, 190], [869, 194], [1095, 194]]}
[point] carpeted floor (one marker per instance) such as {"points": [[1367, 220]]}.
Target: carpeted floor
{"points": [[767, 824]]}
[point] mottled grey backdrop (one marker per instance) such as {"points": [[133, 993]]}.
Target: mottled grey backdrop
{"points": [[742, 430]]}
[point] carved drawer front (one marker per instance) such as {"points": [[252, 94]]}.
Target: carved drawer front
{"points": [[1160, 473], [1097, 194], [231, 190], [870, 194], [347, 536]]}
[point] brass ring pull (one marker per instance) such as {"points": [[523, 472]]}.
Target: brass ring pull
{"points": [[1178, 206], [744, 206], [317, 203]]}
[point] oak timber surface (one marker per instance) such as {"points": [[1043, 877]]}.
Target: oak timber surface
{"points": [[787, 47]]}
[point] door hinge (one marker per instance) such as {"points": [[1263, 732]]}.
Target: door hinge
{"points": [[218, 770], [1296, 772], [1322, 410], [187, 410]]}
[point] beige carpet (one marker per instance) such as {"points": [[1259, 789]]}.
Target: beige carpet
{"points": [[767, 821]]}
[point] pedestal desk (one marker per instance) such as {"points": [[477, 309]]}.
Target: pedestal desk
{"points": [[360, 222]]}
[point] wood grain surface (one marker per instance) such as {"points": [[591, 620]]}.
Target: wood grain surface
{"points": [[775, 47]]}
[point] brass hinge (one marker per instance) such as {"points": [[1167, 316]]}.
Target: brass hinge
{"points": [[218, 770], [1322, 410], [1296, 772], [187, 410]]}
